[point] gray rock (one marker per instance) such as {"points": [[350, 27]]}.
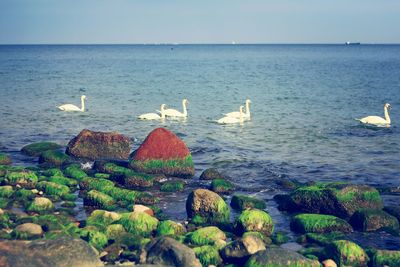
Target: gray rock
{"points": [[242, 248], [28, 230]]}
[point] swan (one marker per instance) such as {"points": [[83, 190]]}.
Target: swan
{"points": [[70, 107], [154, 116], [376, 120], [231, 120], [175, 113], [236, 114]]}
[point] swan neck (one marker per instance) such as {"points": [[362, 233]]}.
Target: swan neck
{"points": [[82, 104], [162, 112], [247, 108], [387, 117], [184, 108]]}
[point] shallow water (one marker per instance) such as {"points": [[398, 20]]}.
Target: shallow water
{"points": [[304, 101]]}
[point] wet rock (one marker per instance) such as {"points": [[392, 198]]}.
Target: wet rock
{"points": [[5, 159], [54, 189], [28, 231], [394, 211], [242, 202], [170, 228], [139, 223], [222, 186], [35, 149], [211, 174], [254, 220], [139, 180], [142, 208], [74, 171], [208, 255], [372, 220], [61, 252], [99, 145], [338, 199], [41, 204], [317, 223], [163, 152], [280, 238], [239, 250], [203, 205], [347, 253], [100, 200], [210, 235], [102, 218], [275, 256], [52, 158], [165, 251], [172, 186], [383, 258], [24, 178]]}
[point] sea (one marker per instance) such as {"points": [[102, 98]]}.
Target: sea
{"points": [[305, 99]]}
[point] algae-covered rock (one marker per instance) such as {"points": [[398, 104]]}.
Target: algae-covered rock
{"points": [[115, 231], [372, 220], [75, 172], [41, 204], [97, 239], [207, 206], [242, 202], [51, 188], [338, 199], [318, 223], [393, 210], [347, 253], [35, 149], [169, 227], [163, 152], [102, 218], [6, 191], [254, 220], [222, 186], [239, 250], [382, 258], [24, 177], [100, 200], [172, 186], [5, 159], [139, 223], [208, 255], [211, 174], [53, 158], [279, 257], [280, 238], [28, 231], [323, 239], [134, 179], [99, 145], [210, 235]]}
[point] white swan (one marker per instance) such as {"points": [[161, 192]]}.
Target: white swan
{"points": [[175, 113], [154, 116], [236, 114], [376, 120], [70, 107], [231, 120]]}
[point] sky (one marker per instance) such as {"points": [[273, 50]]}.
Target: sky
{"points": [[205, 21]]}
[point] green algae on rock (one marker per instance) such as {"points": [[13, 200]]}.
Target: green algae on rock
{"points": [[24, 177], [171, 228], [139, 223], [5, 159], [35, 149], [51, 188], [209, 235], [114, 231], [208, 255], [222, 186], [53, 158], [75, 172], [242, 202], [172, 186], [6, 191], [383, 258], [100, 200], [162, 152], [41, 204], [254, 220], [318, 223], [371, 220], [211, 174], [102, 218], [347, 253], [139, 180]]}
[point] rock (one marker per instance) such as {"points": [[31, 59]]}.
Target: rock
{"points": [[41, 204], [139, 223], [242, 202], [53, 158], [172, 186], [35, 149], [276, 256], [142, 208], [99, 145], [241, 249], [318, 223], [171, 228], [208, 255], [61, 252], [54, 189], [163, 152], [75, 172], [6, 191], [28, 231], [372, 220], [254, 220], [100, 200], [347, 253], [211, 174], [203, 205], [383, 258], [139, 180], [222, 186], [210, 235], [329, 263], [165, 251], [5, 159], [115, 231], [280, 238], [394, 211], [338, 199], [323, 239], [102, 218], [24, 177]]}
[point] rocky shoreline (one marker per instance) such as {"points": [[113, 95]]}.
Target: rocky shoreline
{"points": [[125, 226]]}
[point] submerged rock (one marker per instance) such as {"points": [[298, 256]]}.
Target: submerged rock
{"points": [[222, 186], [165, 153], [99, 145], [35, 149], [347, 253], [172, 186], [242, 202], [372, 220], [211, 174], [317, 223], [254, 220]]}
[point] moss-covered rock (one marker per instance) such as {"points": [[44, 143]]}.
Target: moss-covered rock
{"points": [[100, 200], [4, 202], [24, 177], [323, 239], [210, 235], [280, 238], [383, 258], [169, 227], [102, 175], [53, 158], [203, 205], [163, 152], [267, 240], [371, 220], [134, 179], [254, 220], [5, 159], [6, 191], [63, 181], [347, 253], [242, 202], [95, 238], [211, 174], [318, 223], [35, 149], [98, 184], [28, 231], [51, 188], [222, 186], [102, 218], [139, 223], [115, 231], [208, 255], [52, 172], [75, 172], [172, 186], [24, 195], [41, 204]]}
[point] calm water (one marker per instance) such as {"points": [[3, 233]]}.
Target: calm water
{"points": [[304, 101]]}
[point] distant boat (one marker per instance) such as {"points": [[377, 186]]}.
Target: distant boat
{"points": [[350, 43], [233, 42]]}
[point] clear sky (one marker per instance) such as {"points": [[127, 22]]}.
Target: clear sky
{"points": [[202, 21]]}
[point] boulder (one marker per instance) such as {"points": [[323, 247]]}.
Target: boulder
{"points": [[347, 253], [209, 235], [28, 231], [139, 223], [165, 251], [241, 249], [254, 220], [41, 204], [318, 223], [99, 145], [279, 257], [242, 202], [35, 149], [203, 206], [372, 220], [63, 252], [165, 153], [5, 159], [142, 208], [51, 158], [211, 174]]}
